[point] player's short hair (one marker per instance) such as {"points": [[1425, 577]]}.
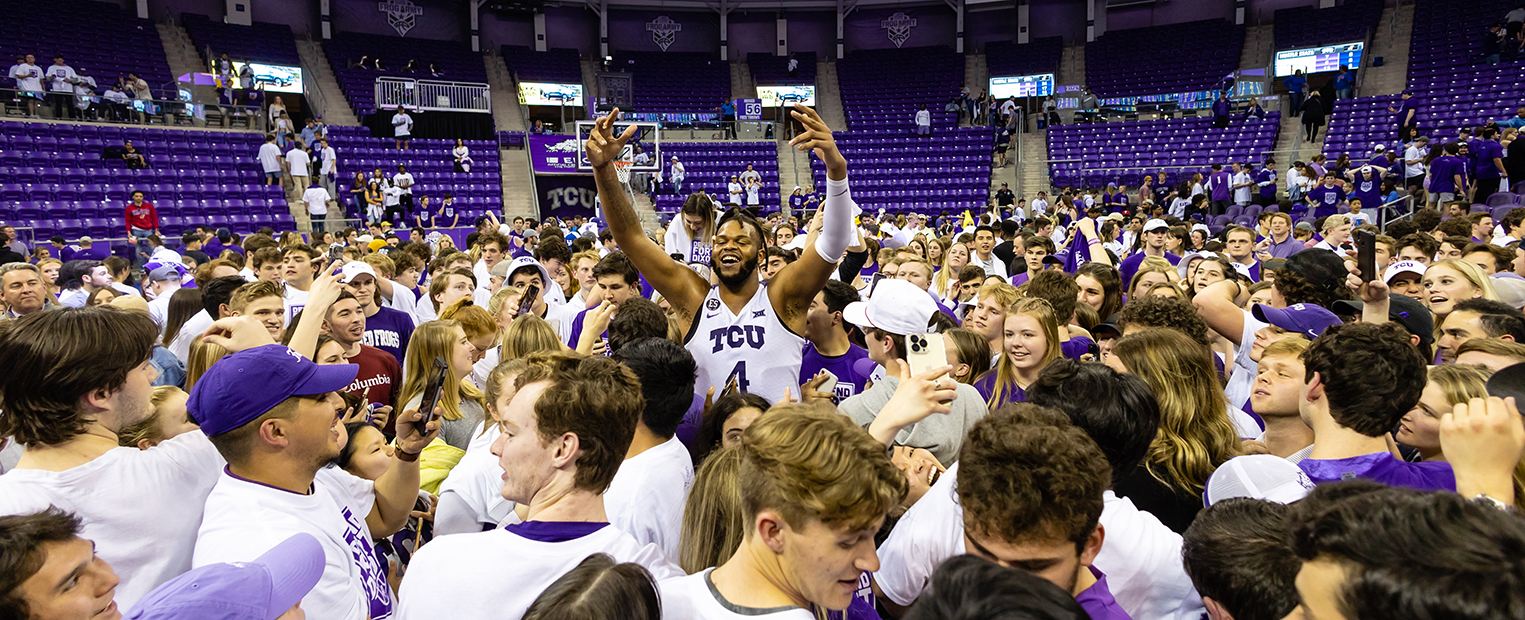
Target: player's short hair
{"points": [[971, 273], [1027, 474], [639, 318], [1503, 258], [810, 464], [551, 247]]}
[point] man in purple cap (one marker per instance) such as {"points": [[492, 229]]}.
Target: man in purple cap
{"points": [[270, 587], [1359, 381], [1306, 320], [274, 415]]}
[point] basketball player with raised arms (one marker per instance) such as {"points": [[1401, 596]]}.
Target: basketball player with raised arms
{"points": [[740, 327]]}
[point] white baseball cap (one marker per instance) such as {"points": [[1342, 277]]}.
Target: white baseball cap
{"points": [[525, 261], [896, 306], [1258, 476], [1403, 266], [1155, 225], [1379, 148], [354, 268]]}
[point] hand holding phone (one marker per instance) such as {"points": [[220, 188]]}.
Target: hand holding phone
{"points": [[925, 352], [1366, 255], [527, 300], [433, 390]]}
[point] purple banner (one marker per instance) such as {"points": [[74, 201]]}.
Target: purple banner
{"points": [[553, 153], [565, 196]]}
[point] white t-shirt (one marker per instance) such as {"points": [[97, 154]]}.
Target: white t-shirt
{"points": [[244, 519], [1140, 556], [328, 160], [647, 495], [317, 200], [1415, 169], [472, 494], [139, 507], [499, 573], [994, 267], [694, 597], [923, 118], [1242, 194], [294, 299], [59, 77], [270, 157], [28, 77], [158, 308], [403, 124], [191, 330], [299, 162], [1241, 378], [398, 180]]}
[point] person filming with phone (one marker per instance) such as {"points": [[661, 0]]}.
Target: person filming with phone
{"points": [[895, 323]]}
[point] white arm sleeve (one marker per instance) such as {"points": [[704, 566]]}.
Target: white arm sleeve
{"points": [[837, 223]]}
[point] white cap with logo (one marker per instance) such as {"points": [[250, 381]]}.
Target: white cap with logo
{"points": [[896, 307]]}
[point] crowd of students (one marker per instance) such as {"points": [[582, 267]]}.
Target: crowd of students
{"points": [[1079, 414]]}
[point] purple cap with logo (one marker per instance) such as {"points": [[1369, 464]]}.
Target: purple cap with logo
{"points": [[259, 590], [247, 384], [1306, 319]]}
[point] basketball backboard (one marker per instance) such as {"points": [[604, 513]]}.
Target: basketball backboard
{"points": [[648, 136]]}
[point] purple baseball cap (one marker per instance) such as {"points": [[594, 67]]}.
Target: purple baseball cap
{"points": [[1306, 319], [259, 590], [244, 386]]}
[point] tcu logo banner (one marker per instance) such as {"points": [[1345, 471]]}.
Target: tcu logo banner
{"points": [[899, 27], [664, 31], [401, 14]]}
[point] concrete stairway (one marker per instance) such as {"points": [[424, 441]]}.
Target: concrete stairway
{"points": [[178, 50], [518, 184], [742, 84], [1290, 145], [1030, 171], [330, 98], [793, 169], [1259, 42], [828, 96], [1072, 65], [976, 77], [1391, 42], [507, 114]]}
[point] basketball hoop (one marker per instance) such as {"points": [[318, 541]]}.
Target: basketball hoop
{"points": [[622, 169]]}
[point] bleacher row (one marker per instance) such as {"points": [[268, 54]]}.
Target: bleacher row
{"points": [[1309, 26], [454, 61], [261, 42], [1112, 153], [105, 39], [946, 173], [709, 166]]}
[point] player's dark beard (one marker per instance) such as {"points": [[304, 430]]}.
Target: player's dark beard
{"points": [[747, 269]]}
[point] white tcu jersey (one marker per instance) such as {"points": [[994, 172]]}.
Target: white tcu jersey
{"points": [[754, 346]]}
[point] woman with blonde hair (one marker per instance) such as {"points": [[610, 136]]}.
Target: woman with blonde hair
{"points": [[1151, 271], [49, 268], [1448, 386], [968, 354], [202, 356], [713, 520], [462, 405], [169, 420], [481, 330], [528, 334], [1030, 340], [953, 261], [937, 247], [1452, 281], [1195, 434]]}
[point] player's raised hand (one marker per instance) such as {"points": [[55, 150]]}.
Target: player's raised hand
{"points": [[602, 146], [817, 138]]}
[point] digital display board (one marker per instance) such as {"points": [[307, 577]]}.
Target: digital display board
{"points": [[1318, 59], [542, 93], [1041, 85], [773, 96], [273, 78]]}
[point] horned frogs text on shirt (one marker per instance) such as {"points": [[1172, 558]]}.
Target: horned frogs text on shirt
{"points": [[753, 346]]}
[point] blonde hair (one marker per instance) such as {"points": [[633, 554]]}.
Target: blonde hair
{"points": [[431, 340], [528, 334], [381, 263], [499, 299], [149, 428], [1335, 221], [200, 360], [1286, 347], [1005, 371], [1001, 292], [1474, 276], [1463, 382], [713, 525], [917, 260], [1195, 434], [246, 294], [807, 464], [945, 272], [1151, 264]]}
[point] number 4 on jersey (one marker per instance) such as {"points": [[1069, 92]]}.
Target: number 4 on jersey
{"points": [[738, 379]]}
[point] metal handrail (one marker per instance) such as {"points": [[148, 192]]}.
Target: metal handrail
{"points": [[1383, 209]]}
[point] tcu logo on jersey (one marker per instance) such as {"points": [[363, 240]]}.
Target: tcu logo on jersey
{"points": [[735, 336]]}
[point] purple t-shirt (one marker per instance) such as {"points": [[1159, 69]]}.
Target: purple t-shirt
{"points": [[1483, 153], [985, 385], [1076, 347], [1097, 600], [1221, 181], [1130, 265], [577, 331], [1443, 173], [1368, 190], [389, 330], [1326, 200], [850, 382], [1382, 467]]}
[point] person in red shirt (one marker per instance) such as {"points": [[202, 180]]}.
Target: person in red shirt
{"points": [[142, 221]]}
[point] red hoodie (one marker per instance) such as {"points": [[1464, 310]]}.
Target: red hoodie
{"points": [[142, 217]]}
